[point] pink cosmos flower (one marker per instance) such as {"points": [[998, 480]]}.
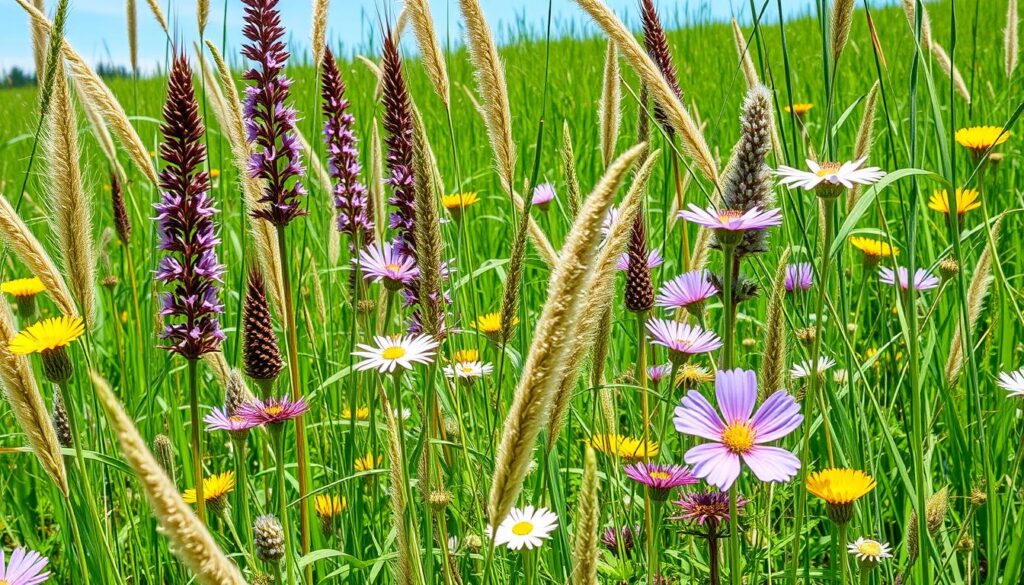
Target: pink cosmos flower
{"points": [[682, 339], [741, 434], [220, 420], [26, 568], [687, 289], [923, 280], [387, 265], [732, 220]]}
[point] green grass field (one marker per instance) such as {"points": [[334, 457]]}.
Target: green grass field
{"points": [[891, 410]]}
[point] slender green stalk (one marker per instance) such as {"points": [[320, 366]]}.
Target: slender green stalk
{"points": [[196, 439], [277, 438], [735, 576]]}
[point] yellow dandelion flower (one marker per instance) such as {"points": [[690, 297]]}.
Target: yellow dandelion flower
{"points": [[624, 447], [214, 173], [368, 463], [362, 413], [23, 287], [874, 248], [466, 355], [966, 200], [840, 488], [47, 335], [215, 489], [490, 324], [456, 202], [979, 139], [799, 110], [328, 506], [691, 375]]}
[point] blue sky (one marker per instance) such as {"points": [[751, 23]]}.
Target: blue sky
{"points": [[97, 27]]}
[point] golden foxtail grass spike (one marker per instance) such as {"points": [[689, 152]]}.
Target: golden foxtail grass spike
{"points": [[865, 138], [158, 14], [428, 231], [842, 20], [610, 110], [675, 111], [544, 364], [133, 34], [28, 249], [430, 48], [746, 63], [376, 183], [590, 332], [977, 291], [27, 404], [264, 234], [1011, 42], [773, 364], [584, 550], [189, 539], [202, 15], [72, 218], [572, 181], [318, 30], [103, 137], [39, 40]]}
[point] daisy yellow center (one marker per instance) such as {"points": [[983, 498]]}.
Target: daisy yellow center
{"points": [[728, 215], [661, 475], [827, 168], [273, 410], [467, 369], [738, 437], [4, 582], [393, 353], [522, 528], [236, 419], [393, 267], [869, 548]]}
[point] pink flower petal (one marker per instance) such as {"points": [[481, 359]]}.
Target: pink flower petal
{"points": [[771, 463], [695, 416], [736, 391], [715, 463], [778, 416]]}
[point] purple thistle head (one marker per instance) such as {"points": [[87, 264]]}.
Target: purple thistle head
{"points": [[682, 340], [707, 507], [687, 291], [398, 124], [272, 411], [660, 479], [269, 120], [386, 265], [621, 541], [186, 230], [799, 277], [923, 280], [351, 198], [543, 195]]}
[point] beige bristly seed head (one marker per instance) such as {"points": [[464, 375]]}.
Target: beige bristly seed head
{"points": [[376, 181], [202, 15], [1011, 43], [601, 293], [428, 230], [842, 20], [264, 234], [951, 71], [71, 217], [981, 283], [189, 539], [103, 137], [430, 48], [158, 14], [773, 364], [318, 30], [610, 109], [93, 89], [746, 63], [28, 249], [27, 404], [675, 111], [39, 40], [584, 550], [865, 137], [544, 364], [572, 181], [133, 33]]}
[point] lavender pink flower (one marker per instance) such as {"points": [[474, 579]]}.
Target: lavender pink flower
{"points": [[543, 195], [269, 120], [923, 280], [681, 339], [706, 507], [654, 260], [689, 289], [221, 420], [732, 221], [741, 434], [660, 479], [799, 277], [26, 568], [386, 265], [185, 225], [272, 411], [659, 372], [351, 198], [621, 541]]}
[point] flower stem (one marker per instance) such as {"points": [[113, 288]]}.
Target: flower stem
{"points": [[713, 557], [197, 443], [728, 307], [844, 558], [277, 436], [293, 370], [735, 576]]}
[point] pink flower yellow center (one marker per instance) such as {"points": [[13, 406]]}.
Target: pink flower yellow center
{"points": [[738, 437], [392, 267], [273, 410], [522, 528], [234, 419], [393, 353], [727, 215], [659, 475]]}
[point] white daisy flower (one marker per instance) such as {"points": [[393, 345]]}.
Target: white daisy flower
{"points": [[398, 351], [804, 368], [869, 552], [1012, 382], [829, 174], [468, 371], [527, 528]]}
